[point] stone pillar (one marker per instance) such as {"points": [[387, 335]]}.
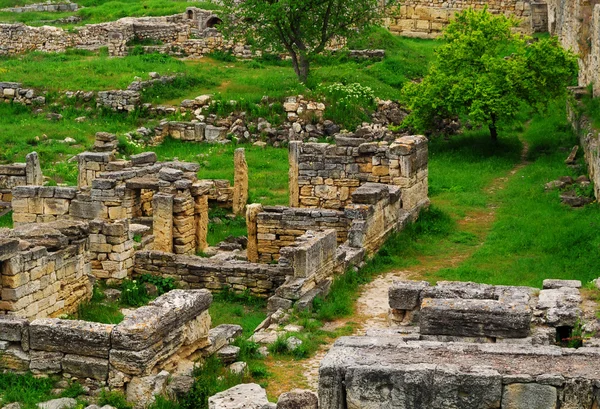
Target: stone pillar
{"points": [[201, 216], [240, 182], [252, 212], [162, 205], [184, 231], [33, 171], [293, 155]]}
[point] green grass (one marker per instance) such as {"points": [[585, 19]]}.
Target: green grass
{"points": [[29, 390], [6, 220], [217, 232], [267, 167], [241, 309], [536, 237], [100, 11]]}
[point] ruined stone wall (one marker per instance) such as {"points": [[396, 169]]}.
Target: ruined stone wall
{"points": [[589, 137], [428, 18], [44, 7], [214, 275], [325, 176], [111, 249], [577, 24], [14, 92], [190, 131], [49, 276], [41, 204], [119, 100], [278, 227], [19, 174], [175, 326]]}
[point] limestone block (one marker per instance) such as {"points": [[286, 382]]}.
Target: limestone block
{"points": [[149, 324], [14, 358], [71, 337], [474, 318], [247, 396], [240, 184], [298, 399], [406, 295], [142, 391], [86, 367], [46, 362], [529, 395]]}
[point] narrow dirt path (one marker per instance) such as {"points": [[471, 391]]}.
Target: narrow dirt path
{"points": [[372, 304]]}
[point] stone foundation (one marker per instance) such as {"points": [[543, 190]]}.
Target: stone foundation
{"points": [[173, 327], [44, 269], [19, 174]]}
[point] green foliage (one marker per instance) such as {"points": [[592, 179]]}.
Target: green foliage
{"points": [[486, 73], [174, 89], [133, 293], [98, 309], [302, 28], [244, 309], [223, 56], [114, 399], [6, 220], [74, 390], [350, 104], [163, 284], [228, 226], [25, 388], [211, 378]]}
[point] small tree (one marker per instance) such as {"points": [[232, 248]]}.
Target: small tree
{"points": [[486, 73], [302, 28]]}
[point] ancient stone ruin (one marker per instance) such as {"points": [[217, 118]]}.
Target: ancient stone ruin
{"points": [[467, 345]]}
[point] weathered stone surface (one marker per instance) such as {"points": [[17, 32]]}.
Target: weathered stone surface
{"points": [[143, 158], [406, 295], [244, 396], [179, 386], [142, 391], [46, 362], [86, 367], [71, 337], [12, 328], [298, 399], [555, 284], [529, 395], [240, 182], [221, 335], [560, 305], [386, 370], [149, 324], [228, 354], [471, 318], [62, 403]]}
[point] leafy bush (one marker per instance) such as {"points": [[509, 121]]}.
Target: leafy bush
{"points": [[163, 284], [349, 105]]}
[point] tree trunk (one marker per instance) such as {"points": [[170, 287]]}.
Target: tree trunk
{"points": [[303, 68], [493, 129]]}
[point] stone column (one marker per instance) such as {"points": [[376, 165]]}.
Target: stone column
{"points": [[162, 205], [201, 216], [33, 171], [293, 156], [240, 182], [252, 212]]}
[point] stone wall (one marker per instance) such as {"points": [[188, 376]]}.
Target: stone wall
{"points": [[379, 371], [155, 337], [19, 174], [41, 204], [198, 272], [44, 7], [190, 131], [14, 92], [44, 269], [324, 175], [278, 227], [428, 18], [119, 100], [577, 24], [468, 345]]}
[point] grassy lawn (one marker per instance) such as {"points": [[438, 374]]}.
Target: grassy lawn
{"points": [[100, 11]]}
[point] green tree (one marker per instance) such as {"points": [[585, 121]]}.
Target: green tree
{"points": [[487, 73], [302, 28]]}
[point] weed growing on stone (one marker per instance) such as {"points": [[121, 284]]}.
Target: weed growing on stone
{"points": [[113, 398], [6, 220]]}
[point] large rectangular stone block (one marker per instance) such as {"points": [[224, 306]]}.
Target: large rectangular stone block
{"points": [[71, 337], [474, 318]]}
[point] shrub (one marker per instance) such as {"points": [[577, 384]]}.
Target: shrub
{"points": [[133, 293]]}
